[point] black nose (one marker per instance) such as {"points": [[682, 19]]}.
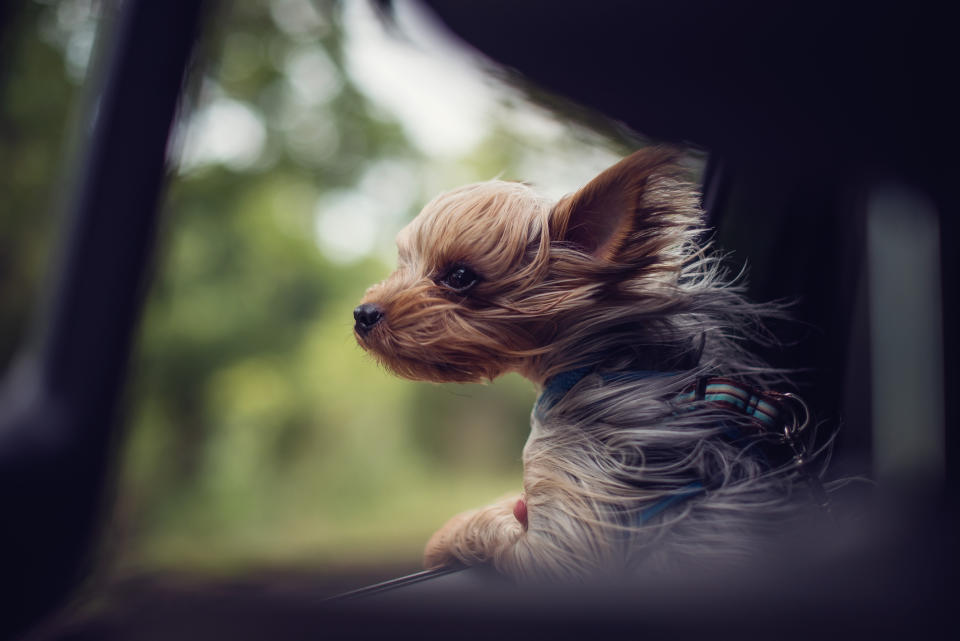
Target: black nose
{"points": [[367, 315]]}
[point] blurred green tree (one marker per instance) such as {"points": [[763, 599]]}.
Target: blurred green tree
{"points": [[36, 96], [258, 431]]}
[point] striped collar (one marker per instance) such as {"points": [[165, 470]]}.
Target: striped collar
{"points": [[765, 408]]}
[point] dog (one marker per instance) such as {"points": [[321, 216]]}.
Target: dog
{"points": [[648, 441]]}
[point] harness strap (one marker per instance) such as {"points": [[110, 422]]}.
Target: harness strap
{"points": [[557, 386], [689, 491]]}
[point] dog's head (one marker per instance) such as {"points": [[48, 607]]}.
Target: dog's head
{"points": [[493, 278]]}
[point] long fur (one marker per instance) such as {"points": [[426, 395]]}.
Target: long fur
{"points": [[613, 278]]}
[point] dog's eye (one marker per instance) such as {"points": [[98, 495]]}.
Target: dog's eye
{"points": [[460, 279]]}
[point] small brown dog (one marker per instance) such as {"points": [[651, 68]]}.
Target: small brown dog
{"points": [[639, 453]]}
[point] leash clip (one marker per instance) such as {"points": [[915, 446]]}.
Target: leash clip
{"points": [[793, 429], [795, 423]]}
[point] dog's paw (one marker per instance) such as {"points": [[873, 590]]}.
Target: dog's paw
{"points": [[477, 536], [441, 546]]}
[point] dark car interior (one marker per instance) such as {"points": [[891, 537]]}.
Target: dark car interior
{"points": [[832, 146]]}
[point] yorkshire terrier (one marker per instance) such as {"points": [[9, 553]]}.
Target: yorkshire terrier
{"points": [[648, 440]]}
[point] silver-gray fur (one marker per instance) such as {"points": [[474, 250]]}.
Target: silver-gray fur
{"points": [[614, 446]]}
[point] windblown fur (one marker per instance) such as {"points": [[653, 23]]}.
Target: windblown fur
{"points": [[613, 278]]}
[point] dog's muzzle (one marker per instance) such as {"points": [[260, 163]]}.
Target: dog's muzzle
{"points": [[366, 317]]}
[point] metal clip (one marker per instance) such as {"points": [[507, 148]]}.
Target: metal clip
{"points": [[798, 426], [792, 431]]}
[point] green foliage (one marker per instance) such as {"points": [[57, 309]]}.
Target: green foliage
{"points": [[35, 99], [259, 432]]}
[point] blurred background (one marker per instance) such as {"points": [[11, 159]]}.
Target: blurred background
{"points": [[259, 434], [265, 455]]}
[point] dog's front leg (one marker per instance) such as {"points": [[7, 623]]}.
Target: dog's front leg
{"points": [[477, 536]]}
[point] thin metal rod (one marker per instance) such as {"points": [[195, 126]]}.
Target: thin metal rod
{"points": [[399, 582]]}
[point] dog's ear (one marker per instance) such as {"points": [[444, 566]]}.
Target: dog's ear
{"points": [[603, 215]]}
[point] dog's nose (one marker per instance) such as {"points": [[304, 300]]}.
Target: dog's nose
{"points": [[367, 315]]}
